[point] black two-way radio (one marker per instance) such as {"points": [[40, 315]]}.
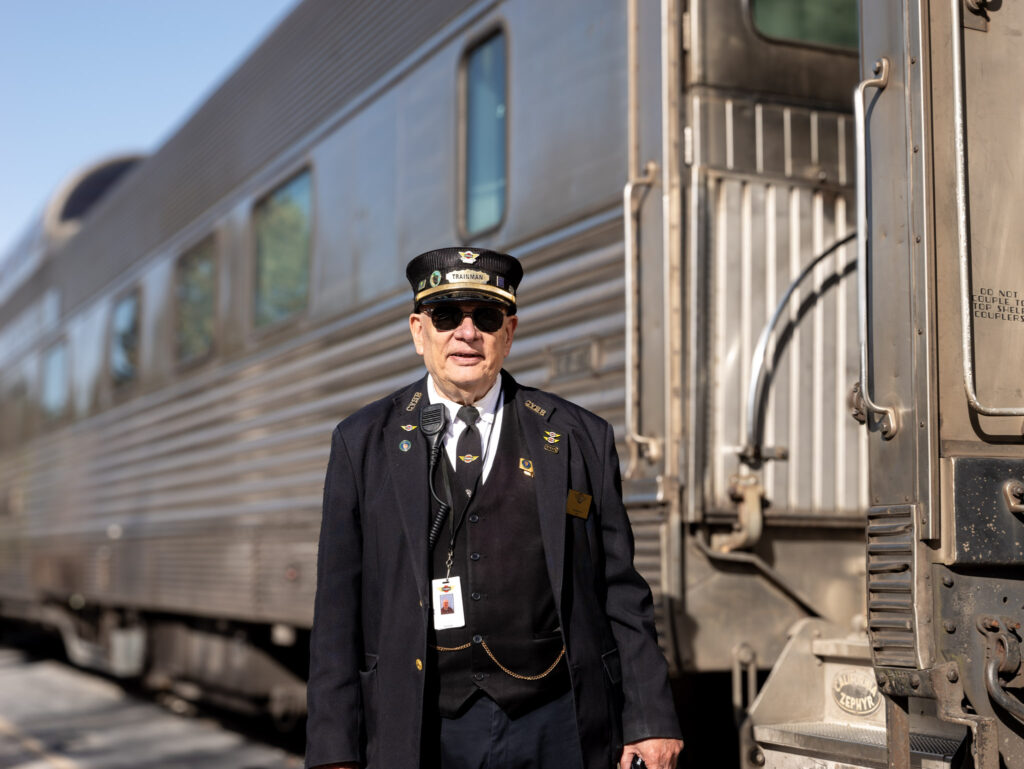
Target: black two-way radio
{"points": [[433, 421]]}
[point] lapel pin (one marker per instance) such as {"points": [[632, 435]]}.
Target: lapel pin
{"points": [[467, 458], [551, 437], [526, 466], [404, 446], [407, 428], [552, 449]]}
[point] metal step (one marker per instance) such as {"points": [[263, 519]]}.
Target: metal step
{"points": [[787, 746]]}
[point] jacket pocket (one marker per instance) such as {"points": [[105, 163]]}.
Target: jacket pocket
{"points": [[612, 666]]}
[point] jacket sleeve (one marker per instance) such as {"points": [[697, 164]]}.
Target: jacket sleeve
{"points": [[334, 700], [648, 710]]}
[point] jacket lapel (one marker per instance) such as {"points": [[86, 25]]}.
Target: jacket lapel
{"points": [[408, 461], [549, 445]]}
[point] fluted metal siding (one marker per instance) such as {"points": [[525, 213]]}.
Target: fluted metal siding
{"points": [[204, 497], [779, 190]]}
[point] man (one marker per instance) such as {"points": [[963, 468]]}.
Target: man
{"points": [[477, 604]]}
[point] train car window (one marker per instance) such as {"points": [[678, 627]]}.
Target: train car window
{"points": [[195, 294], [282, 229], [830, 23], [485, 135], [54, 396], [124, 340]]}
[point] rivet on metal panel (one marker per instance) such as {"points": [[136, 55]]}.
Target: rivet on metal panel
{"points": [[947, 581], [949, 626], [915, 681], [757, 757], [1013, 492], [952, 676]]}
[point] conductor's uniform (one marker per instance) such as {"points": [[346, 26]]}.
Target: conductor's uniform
{"points": [[526, 622]]}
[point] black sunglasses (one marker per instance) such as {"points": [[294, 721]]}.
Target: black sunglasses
{"points": [[447, 317]]}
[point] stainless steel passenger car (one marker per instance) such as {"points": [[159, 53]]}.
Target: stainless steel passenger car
{"points": [[181, 332]]}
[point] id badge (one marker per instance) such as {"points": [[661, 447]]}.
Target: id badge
{"points": [[447, 598]]}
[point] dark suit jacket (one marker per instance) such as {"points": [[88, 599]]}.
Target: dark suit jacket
{"points": [[369, 640]]}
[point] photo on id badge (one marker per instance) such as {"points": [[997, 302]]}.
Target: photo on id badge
{"points": [[447, 601]]}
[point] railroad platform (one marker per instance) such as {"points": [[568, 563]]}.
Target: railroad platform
{"points": [[53, 716]]}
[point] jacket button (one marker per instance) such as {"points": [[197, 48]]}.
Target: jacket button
{"points": [[419, 664], [474, 556], [475, 596], [474, 518], [478, 638], [478, 676]]}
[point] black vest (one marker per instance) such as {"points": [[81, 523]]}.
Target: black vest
{"points": [[509, 604]]}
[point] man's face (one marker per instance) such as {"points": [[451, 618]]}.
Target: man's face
{"points": [[465, 361]]}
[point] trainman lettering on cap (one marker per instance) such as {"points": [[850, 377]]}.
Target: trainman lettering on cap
{"points": [[467, 276], [468, 256], [404, 446]]}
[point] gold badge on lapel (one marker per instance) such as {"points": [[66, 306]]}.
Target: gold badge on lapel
{"points": [[578, 504], [526, 466]]}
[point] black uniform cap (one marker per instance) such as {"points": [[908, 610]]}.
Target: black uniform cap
{"points": [[475, 274]]}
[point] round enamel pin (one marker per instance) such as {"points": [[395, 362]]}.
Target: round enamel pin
{"points": [[405, 445]]}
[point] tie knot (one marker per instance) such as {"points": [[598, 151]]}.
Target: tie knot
{"points": [[469, 415]]}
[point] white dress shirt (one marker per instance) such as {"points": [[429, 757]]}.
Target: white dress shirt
{"points": [[489, 424]]}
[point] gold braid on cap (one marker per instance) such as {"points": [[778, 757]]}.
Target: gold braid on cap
{"points": [[482, 288]]}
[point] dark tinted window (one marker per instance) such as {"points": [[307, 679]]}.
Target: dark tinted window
{"points": [[485, 134], [816, 22], [195, 289], [282, 228], [124, 340]]}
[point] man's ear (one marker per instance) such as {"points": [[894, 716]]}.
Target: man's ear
{"points": [[416, 328], [510, 329]]}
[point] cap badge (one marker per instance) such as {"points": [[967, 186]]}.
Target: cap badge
{"points": [[435, 278], [526, 466], [467, 276], [467, 458], [551, 437], [499, 282], [421, 285], [407, 428], [404, 446], [468, 256]]}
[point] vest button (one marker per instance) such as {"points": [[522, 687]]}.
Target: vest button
{"points": [[474, 556], [474, 518], [475, 596], [478, 676], [478, 638]]}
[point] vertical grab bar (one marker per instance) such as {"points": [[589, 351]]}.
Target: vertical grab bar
{"points": [[633, 438], [963, 225], [890, 420]]}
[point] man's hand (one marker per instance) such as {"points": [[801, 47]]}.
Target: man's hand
{"points": [[656, 753]]}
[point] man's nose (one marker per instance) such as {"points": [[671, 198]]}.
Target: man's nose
{"points": [[466, 329]]}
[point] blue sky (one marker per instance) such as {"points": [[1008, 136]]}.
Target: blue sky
{"points": [[85, 79]]}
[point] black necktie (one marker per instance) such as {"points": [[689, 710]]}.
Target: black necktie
{"points": [[469, 456]]}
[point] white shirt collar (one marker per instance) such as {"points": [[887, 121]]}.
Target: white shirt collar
{"points": [[487, 405]]}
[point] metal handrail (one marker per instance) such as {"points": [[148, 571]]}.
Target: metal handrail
{"points": [[890, 420], [633, 438], [963, 227], [752, 452]]}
